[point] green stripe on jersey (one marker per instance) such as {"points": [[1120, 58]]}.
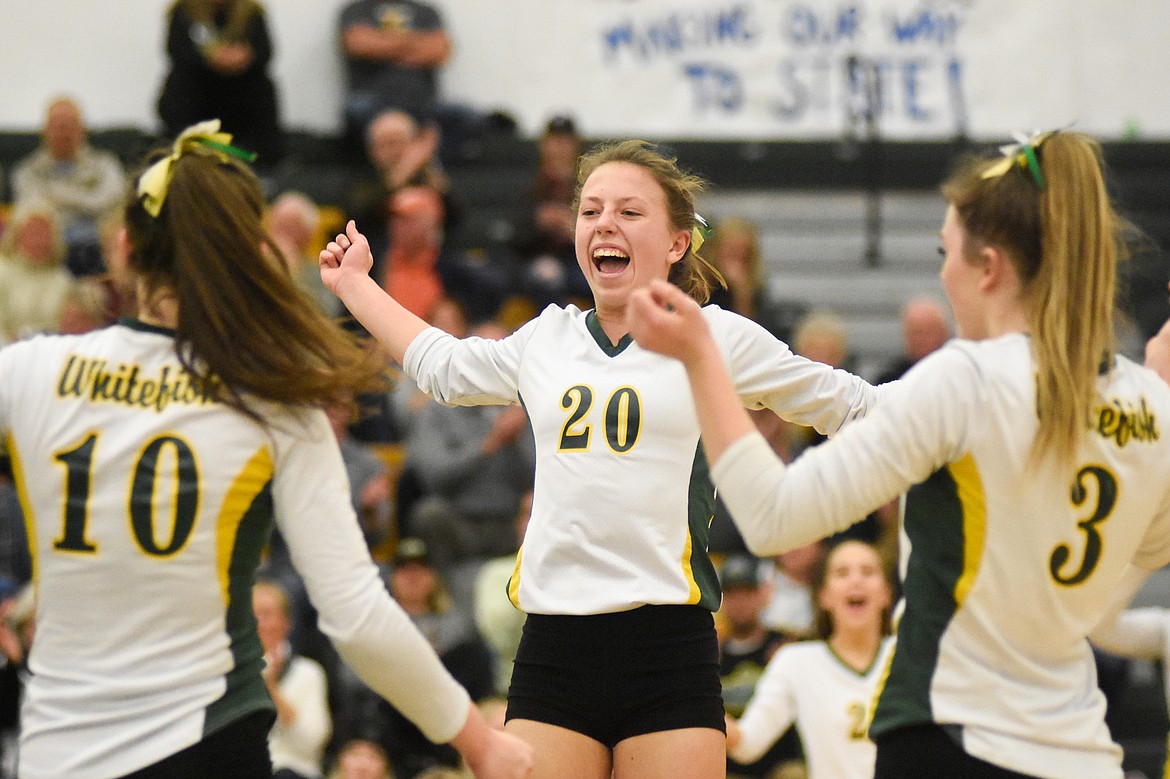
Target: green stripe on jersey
{"points": [[945, 520], [700, 571], [245, 524]]}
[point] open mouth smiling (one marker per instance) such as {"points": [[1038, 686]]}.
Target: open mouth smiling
{"points": [[609, 261], [856, 601]]}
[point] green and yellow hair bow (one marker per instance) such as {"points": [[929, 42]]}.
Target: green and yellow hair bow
{"points": [[1021, 154], [699, 233], [156, 180]]}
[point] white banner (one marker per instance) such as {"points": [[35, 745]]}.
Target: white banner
{"points": [[704, 69]]}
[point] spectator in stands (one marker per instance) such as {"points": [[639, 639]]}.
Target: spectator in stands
{"points": [[293, 222], [33, 278], [413, 266], [822, 335], [401, 153], [409, 270], [362, 758], [87, 305], [544, 233], [297, 686], [370, 493], [82, 183], [746, 645], [393, 50], [219, 53], [405, 398], [925, 327], [734, 248], [497, 619]]}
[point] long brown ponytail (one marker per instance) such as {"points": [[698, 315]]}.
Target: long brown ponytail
{"points": [[242, 320]]}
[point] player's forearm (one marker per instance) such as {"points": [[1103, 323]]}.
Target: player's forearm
{"points": [[721, 414], [384, 317]]}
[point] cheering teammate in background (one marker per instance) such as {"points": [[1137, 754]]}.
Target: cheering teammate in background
{"points": [[152, 459], [1038, 475], [827, 686], [617, 672]]}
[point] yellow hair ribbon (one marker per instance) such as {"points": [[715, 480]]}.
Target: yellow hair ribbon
{"points": [[156, 180], [699, 233], [1022, 153]]}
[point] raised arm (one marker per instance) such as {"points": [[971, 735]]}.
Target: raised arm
{"points": [[777, 507], [770, 712], [345, 269]]}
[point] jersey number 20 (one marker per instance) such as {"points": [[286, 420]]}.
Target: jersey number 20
{"points": [[623, 419]]}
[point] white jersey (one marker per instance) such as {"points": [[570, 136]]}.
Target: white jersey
{"points": [[1005, 570], [147, 505], [829, 701], [622, 502]]}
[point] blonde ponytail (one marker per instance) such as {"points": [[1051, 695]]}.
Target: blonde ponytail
{"points": [[1052, 217]]}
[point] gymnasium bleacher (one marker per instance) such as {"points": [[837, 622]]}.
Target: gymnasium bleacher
{"points": [[844, 224]]}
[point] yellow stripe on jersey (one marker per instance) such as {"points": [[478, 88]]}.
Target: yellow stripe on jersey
{"points": [[251, 480], [881, 685], [30, 524], [694, 592], [973, 503], [514, 581]]}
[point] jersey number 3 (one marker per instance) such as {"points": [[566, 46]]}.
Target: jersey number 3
{"points": [[144, 482], [1081, 494]]}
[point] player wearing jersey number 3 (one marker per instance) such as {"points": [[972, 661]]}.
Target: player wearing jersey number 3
{"points": [[152, 459], [617, 673], [1037, 465]]}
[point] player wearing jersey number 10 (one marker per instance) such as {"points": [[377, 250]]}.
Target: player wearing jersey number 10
{"points": [[153, 458]]}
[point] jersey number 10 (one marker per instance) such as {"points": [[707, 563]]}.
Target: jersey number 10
{"points": [[78, 463]]}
